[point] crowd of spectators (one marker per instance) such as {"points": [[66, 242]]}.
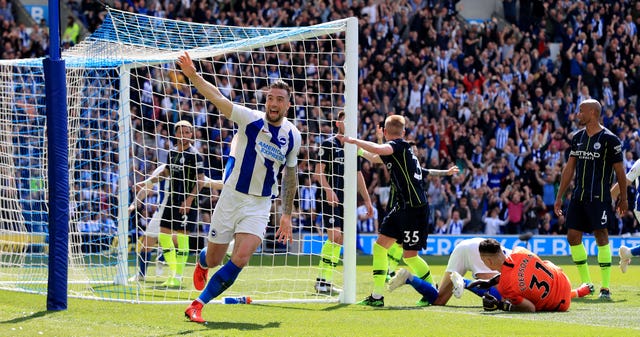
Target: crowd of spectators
{"points": [[496, 98]]}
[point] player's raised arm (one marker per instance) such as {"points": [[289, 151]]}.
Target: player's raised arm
{"points": [[208, 90]]}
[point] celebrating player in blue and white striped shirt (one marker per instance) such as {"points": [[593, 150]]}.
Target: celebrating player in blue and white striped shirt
{"points": [[264, 143], [258, 151]]}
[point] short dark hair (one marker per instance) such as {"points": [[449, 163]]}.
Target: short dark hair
{"points": [[489, 246], [280, 84]]}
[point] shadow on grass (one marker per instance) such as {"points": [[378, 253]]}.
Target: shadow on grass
{"points": [[242, 326], [27, 318], [310, 308], [595, 299]]}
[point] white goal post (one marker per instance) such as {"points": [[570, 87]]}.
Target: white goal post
{"points": [[124, 96]]}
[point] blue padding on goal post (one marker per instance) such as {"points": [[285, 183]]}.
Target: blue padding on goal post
{"points": [[58, 148]]}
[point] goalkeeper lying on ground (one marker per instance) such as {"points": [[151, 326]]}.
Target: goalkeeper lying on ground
{"points": [[546, 287], [465, 257]]}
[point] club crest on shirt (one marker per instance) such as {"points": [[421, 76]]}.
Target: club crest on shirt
{"points": [[596, 146], [283, 141]]}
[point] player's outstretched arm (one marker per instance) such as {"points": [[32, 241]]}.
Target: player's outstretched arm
{"points": [[371, 157], [214, 184], [141, 195], [484, 284], [208, 90], [448, 172], [145, 186], [379, 149]]}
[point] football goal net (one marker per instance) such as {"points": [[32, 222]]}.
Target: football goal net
{"points": [[124, 96]]}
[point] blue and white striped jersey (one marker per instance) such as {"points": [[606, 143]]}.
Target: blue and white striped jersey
{"points": [[632, 176], [367, 225], [258, 151]]}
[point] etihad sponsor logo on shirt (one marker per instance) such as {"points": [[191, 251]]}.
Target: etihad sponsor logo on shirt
{"points": [[177, 167], [271, 152], [588, 155]]}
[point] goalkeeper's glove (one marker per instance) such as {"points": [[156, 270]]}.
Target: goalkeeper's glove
{"points": [[484, 284], [490, 303]]}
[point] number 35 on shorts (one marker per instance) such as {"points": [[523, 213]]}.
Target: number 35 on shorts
{"points": [[411, 237]]}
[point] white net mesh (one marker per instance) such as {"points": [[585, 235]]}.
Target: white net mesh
{"points": [[114, 145]]}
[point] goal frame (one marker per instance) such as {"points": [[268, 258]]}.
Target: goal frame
{"points": [[351, 93]]}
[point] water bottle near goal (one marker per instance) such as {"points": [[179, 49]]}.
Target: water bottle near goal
{"points": [[237, 300]]}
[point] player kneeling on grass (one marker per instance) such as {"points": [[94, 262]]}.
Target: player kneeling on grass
{"points": [[546, 287]]}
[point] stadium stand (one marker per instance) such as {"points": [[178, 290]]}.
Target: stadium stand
{"points": [[497, 98]]}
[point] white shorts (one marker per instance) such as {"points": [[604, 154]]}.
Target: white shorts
{"points": [[238, 213], [466, 257], [153, 227]]}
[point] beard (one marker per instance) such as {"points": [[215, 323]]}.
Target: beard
{"points": [[274, 120]]}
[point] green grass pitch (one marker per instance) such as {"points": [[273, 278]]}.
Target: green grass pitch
{"points": [[24, 314]]}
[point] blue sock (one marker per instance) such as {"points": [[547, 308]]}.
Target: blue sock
{"points": [[202, 258], [143, 259], [426, 289], [220, 281], [494, 292], [635, 251], [480, 292]]}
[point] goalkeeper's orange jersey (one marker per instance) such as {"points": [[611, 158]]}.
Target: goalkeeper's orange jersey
{"points": [[525, 275]]}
